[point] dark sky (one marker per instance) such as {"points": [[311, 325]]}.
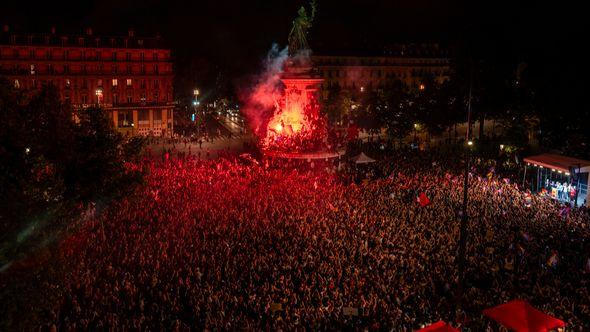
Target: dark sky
{"points": [[234, 35]]}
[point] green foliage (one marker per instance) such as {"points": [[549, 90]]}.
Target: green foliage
{"points": [[50, 161]]}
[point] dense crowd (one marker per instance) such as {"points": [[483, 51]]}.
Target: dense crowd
{"points": [[236, 245]]}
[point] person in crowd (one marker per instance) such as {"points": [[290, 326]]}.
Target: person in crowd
{"points": [[235, 244]]}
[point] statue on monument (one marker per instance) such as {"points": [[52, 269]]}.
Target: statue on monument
{"points": [[301, 25]]}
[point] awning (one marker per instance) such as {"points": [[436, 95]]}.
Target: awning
{"points": [[520, 316], [559, 163], [362, 158]]}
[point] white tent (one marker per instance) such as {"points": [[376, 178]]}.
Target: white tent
{"points": [[362, 158]]}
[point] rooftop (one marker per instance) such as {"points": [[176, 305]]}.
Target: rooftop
{"points": [[88, 39]]}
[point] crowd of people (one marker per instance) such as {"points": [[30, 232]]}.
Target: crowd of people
{"points": [[236, 244]]}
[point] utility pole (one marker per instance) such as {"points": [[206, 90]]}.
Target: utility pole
{"points": [[464, 216]]}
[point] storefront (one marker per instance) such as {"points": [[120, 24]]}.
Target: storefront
{"points": [[562, 178]]}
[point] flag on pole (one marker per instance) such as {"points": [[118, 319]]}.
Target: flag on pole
{"points": [[423, 199]]}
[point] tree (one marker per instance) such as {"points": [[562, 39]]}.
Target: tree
{"points": [[51, 164]]}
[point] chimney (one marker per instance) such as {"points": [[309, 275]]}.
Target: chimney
{"points": [[53, 29], [131, 33], [89, 31], [6, 28]]}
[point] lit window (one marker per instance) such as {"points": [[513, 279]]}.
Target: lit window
{"points": [[68, 83], [32, 69], [17, 84], [115, 82], [129, 82], [362, 89], [422, 87]]}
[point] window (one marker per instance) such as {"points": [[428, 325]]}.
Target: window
{"points": [[84, 84], [128, 69], [68, 83], [143, 115], [17, 84], [157, 115], [129, 98], [142, 84], [114, 69], [115, 82], [115, 99], [143, 97], [125, 119], [99, 82], [156, 84], [129, 82], [84, 99], [156, 96], [33, 70]]}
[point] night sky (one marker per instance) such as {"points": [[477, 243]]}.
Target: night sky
{"points": [[233, 36]]}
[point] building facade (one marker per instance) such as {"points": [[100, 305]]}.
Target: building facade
{"points": [[129, 77], [360, 73]]}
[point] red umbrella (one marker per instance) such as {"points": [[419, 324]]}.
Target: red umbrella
{"points": [[439, 326], [520, 316]]}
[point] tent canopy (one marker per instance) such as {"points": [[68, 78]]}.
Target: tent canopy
{"points": [[520, 316], [558, 162], [362, 158], [439, 326]]}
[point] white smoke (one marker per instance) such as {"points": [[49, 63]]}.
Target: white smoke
{"points": [[262, 99]]}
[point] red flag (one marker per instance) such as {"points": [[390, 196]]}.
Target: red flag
{"points": [[352, 132], [423, 200]]}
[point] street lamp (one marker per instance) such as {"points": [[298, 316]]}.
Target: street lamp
{"points": [[98, 96], [464, 216]]}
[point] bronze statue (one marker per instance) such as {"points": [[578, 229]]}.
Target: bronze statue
{"points": [[301, 24]]}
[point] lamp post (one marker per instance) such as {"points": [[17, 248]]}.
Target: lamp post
{"points": [[464, 217]]}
